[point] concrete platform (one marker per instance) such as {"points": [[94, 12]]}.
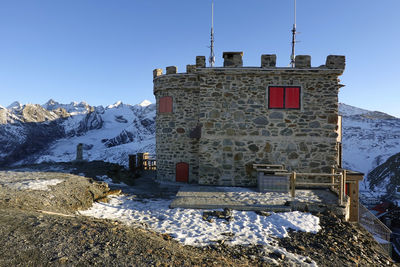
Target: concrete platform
{"points": [[239, 198]]}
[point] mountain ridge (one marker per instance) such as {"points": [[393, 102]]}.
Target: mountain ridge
{"points": [[33, 133]]}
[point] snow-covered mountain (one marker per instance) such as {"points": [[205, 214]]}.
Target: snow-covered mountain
{"points": [[369, 139], [384, 180], [50, 132]]}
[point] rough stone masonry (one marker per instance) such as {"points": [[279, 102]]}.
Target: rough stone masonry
{"points": [[212, 124]]}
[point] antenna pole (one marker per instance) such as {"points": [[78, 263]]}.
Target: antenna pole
{"points": [[292, 57], [211, 59]]}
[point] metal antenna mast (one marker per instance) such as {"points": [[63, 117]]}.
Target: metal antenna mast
{"points": [[294, 32], [211, 59]]}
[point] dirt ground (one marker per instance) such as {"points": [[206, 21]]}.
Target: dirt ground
{"points": [[41, 228]]}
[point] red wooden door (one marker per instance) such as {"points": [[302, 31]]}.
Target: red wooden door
{"points": [[182, 172]]}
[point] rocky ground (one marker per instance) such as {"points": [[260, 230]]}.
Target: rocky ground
{"points": [[42, 228]]}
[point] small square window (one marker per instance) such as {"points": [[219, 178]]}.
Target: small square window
{"points": [[284, 97], [165, 104]]}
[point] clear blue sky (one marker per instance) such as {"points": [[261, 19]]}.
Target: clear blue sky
{"points": [[102, 51]]}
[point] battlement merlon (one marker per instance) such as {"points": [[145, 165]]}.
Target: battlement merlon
{"points": [[234, 60], [335, 62]]}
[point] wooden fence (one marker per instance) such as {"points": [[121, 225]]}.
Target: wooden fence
{"points": [[336, 180]]}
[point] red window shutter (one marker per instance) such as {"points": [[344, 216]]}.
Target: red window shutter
{"points": [[168, 104], [275, 97], [161, 107], [165, 105], [292, 97]]}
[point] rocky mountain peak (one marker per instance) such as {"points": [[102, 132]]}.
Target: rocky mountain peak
{"points": [[51, 104], [36, 113], [15, 105]]}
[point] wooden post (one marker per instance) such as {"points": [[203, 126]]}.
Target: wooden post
{"points": [[333, 178], [293, 184], [341, 189], [79, 152], [353, 179], [132, 163], [140, 161]]}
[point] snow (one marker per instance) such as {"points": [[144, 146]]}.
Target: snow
{"points": [[145, 103], [51, 104], [188, 227], [347, 110], [34, 184], [109, 181], [369, 139], [115, 105], [144, 141], [247, 196]]}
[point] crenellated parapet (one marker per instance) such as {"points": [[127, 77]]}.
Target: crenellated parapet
{"points": [[234, 60]]}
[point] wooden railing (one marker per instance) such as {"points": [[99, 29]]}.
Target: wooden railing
{"points": [[337, 179], [337, 185]]}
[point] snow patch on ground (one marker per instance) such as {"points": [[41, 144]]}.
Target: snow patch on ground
{"points": [[34, 184], [109, 181], [188, 227]]}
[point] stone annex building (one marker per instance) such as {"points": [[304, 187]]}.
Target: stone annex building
{"points": [[213, 124]]}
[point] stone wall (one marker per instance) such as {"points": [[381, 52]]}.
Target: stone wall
{"points": [[238, 129], [173, 140]]}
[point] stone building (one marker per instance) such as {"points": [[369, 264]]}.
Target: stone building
{"points": [[213, 124]]}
